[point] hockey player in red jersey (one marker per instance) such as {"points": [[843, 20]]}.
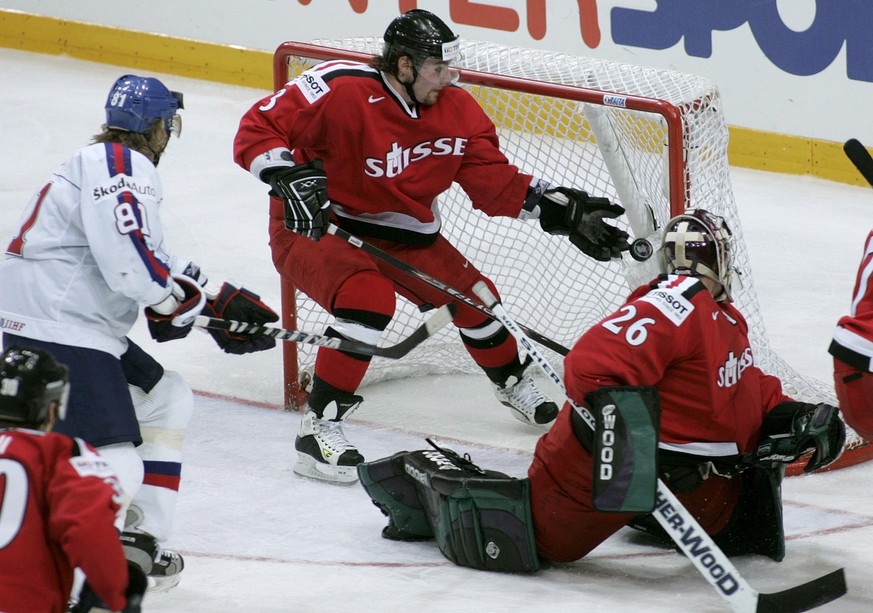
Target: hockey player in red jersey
{"points": [[90, 255], [727, 431], [722, 419], [60, 500], [370, 148], [852, 349]]}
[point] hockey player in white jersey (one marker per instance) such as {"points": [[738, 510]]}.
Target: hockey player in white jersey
{"points": [[88, 254]]}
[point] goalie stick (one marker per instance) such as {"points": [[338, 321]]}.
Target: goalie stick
{"points": [[435, 322], [437, 284], [688, 535], [860, 157]]}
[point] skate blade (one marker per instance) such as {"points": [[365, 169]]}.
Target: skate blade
{"points": [[306, 466], [525, 419], [163, 584]]}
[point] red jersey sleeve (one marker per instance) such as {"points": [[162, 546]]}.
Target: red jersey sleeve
{"points": [[853, 337], [83, 497]]}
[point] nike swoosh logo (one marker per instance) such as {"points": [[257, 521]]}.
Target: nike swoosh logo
{"points": [[373, 99]]}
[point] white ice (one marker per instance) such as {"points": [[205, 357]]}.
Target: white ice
{"points": [[257, 538]]}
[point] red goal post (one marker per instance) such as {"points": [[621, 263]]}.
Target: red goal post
{"points": [[653, 140]]}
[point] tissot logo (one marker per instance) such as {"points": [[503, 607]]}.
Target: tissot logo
{"points": [[399, 158]]}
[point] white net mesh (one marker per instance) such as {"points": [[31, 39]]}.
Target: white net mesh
{"points": [[604, 149]]}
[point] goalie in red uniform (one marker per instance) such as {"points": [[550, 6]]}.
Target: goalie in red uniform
{"points": [[726, 431], [370, 148], [852, 349], [59, 500]]}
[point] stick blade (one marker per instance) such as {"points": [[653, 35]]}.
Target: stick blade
{"points": [[860, 157], [806, 596]]}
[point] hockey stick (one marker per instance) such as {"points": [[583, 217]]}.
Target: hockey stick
{"points": [[689, 537], [434, 323], [437, 284], [860, 157]]}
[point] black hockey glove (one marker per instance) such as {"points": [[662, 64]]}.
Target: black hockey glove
{"points": [[792, 429], [303, 188], [239, 304], [565, 211], [136, 587], [173, 317]]}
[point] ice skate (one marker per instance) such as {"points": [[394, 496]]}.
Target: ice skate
{"points": [[322, 449], [163, 568], [526, 402]]}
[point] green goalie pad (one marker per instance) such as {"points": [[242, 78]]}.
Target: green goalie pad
{"points": [[396, 495], [625, 450], [480, 518]]}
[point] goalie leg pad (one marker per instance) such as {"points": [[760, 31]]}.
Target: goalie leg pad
{"points": [[756, 525], [481, 518], [396, 495]]}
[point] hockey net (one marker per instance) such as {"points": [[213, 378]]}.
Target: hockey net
{"points": [[653, 140]]}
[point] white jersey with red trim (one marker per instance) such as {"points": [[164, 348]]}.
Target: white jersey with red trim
{"points": [[853, 337], [88, 252], [386, 161]]}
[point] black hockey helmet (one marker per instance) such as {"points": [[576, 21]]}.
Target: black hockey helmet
{"points": [[30, 380], [420, 34], [697, 243]]}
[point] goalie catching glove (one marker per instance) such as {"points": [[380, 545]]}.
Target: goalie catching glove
{"points": [[303, 189], [565, 211], [239, 304], [792, 429]]}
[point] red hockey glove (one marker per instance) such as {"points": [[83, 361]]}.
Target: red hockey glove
{"points": [[239, 304]]}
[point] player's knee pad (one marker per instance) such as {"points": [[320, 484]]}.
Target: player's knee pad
{"points": [[480, 518], [169, 404], [128, 467]]}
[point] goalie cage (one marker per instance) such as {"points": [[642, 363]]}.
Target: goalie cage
{"points": [[653, 140]]}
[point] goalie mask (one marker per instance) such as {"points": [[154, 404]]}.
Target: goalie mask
{"points": [[697, 243], [30, 380], [135, 103]]}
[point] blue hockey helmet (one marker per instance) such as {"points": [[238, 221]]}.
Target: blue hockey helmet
{"points": [[30, 380], [135, 103]]}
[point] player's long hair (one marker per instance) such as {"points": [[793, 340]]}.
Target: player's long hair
{"points": [[151, 144]]}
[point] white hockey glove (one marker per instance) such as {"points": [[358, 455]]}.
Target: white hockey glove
{"points": [[565, 211], [173, 317], [303, 188]]}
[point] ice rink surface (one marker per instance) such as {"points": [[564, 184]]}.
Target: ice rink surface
{"points": [[257, 538]]}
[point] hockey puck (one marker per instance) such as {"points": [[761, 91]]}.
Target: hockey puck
{"points": [[641, 250]]}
